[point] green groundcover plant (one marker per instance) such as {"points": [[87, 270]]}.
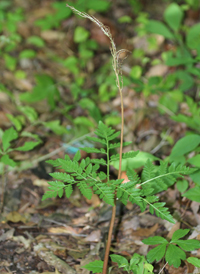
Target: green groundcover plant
{"points": [[86, 174]]}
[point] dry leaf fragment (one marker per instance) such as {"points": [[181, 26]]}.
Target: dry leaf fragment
{"points": [[15, 217]]}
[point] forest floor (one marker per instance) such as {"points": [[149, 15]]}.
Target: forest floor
{"points": [[61, 235]]}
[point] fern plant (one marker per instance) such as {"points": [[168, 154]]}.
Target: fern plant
{"points": [[86, 174], [89, 179]]}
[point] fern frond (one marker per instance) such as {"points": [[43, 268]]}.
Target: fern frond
{"points": [[55, 188], [54, 163], [128, 191], [133, 176], [160, 211], [104, 191], [148, 170], [88, 170], [77, 156], [113, 136], [62, 177], [68, 190], [83, 164], [126, 155], [85, 190], [104, 131], [93, 150], [102, 175], [115, 183], [163, 177], [98, 140], [115, 145], [99, 161]]}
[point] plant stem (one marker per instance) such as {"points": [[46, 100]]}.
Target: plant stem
{"points": [[108, 244], [106, 256], [3, 189], [116, 67]]}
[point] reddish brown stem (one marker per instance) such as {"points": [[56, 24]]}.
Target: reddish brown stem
{"points": [[108, 244]]}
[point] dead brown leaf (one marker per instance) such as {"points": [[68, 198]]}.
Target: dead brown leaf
{"points": [[145, 232], [16, 217]]}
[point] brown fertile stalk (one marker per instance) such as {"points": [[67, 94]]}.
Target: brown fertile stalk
{"points": [[117, 69]]}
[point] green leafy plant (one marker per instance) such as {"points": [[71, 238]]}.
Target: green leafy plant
{"points": [[173, 251], [180, 153], [7, 137], [45, 89], [137, 265], [183, 57], [86, 174], [9, 37]]}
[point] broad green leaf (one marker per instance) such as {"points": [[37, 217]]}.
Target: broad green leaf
{"points": [[173, 16], [155, 240], [194, 261], [195, 161], [158, 27], [81, 34], [156, 253], [188, 245], [174, 255], [185, 145], [8, 136], [193, 194], [182, 185], [28, 146], [95, 267], [180, 233], [135, 162], [120, 260], [193, 37], [7, 161]]}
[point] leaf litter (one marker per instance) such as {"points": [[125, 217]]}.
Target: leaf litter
{"points": [[60, 236]]}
